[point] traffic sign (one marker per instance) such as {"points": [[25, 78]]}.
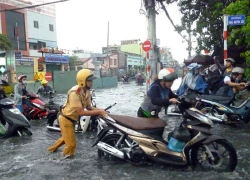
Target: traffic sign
{"points": [[48, 76], [2, 68], [18, 55], [146, 46], [235, 20]]}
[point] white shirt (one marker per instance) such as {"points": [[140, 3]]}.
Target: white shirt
{"points": [[226, 79]]}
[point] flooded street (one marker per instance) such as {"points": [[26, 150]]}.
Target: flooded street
{"points": [[27, 158]]}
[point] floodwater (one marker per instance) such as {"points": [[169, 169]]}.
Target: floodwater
{"points": [[27, 158]]}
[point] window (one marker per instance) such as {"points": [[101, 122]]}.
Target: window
{"points": [[33, 46], [36, 25], [41, 44], [51, 27], [115, 61]]}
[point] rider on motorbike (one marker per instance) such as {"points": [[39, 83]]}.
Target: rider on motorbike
{"points": [[125, 78], [78, 104], [21, 92], [45, 88], [227, 69], [193, 80], [230, 86], [159, 94]]}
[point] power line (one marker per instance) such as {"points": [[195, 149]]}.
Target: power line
{"points": [[33, 6]]}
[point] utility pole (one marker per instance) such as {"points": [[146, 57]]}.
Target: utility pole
{"points": [[152, 59], [189, 36]]}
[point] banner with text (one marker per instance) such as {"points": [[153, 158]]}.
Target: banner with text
{"points": [[57, 59]]}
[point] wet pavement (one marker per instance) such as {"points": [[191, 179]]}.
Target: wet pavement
{"points": [[27, 158]]}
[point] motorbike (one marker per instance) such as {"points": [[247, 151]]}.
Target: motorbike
{"points": [[85, 123], [13, 122], [139, 81], [52, 107], [139, 140], [221, 109]]}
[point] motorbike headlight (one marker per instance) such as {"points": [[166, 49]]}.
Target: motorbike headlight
{"points": [[39, 106]]}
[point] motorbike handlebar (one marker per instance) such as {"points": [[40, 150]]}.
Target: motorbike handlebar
{"points": [[110, 107]]}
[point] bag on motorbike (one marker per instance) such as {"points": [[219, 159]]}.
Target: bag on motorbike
{"points": [[178, 139]]}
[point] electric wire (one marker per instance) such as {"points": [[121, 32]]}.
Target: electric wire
{"points": [[33, 6]]}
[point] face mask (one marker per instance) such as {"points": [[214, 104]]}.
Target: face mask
{"points": [[24, 82]]}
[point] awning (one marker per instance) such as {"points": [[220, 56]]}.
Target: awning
{"points": [[2, 54], [33, 40]]}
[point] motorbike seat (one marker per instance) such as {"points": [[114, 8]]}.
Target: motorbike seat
{"points": [[138, 123], [219, 99]]}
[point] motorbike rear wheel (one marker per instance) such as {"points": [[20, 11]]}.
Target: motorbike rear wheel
{"points": [[111, 140], [200, 157]]}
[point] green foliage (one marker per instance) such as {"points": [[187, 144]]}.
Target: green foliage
{"points": [[205, 20], [4, 43], [73, 60], [240, 35]]}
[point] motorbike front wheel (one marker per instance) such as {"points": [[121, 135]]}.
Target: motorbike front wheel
{"points": [[225, 157]]}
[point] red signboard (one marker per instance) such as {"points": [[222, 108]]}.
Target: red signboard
{"points": [[48, 76], [146, 46]]}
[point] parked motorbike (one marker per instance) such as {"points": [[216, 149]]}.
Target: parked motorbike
{"points": [[139, 140], [13, 122]]}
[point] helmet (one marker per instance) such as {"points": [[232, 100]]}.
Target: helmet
{"points": [[193, 66], [238, 70], [167, 74], [44, 82], [84, 75], [21, 77], [230, 60]]}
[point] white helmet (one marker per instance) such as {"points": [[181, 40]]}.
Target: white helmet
{"points": [[238, 70], [167, 74], [193, 66], [230, 60]]}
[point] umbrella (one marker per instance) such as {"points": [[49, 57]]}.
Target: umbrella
{"points": [[200, 59]]}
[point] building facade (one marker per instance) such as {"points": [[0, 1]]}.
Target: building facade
{"points": [[29, 31]]}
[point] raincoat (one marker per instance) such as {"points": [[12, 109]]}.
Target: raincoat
{"points": [[194, 82]]}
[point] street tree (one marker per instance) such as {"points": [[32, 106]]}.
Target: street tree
{"points": [[204, 20], [4, 43], [73, 60], [239, 37]]}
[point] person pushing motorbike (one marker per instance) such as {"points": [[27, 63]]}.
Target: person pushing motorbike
{"points": [[159, 94], [78, 104]]}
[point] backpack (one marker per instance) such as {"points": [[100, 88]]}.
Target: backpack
{"points": [[215, 82]]}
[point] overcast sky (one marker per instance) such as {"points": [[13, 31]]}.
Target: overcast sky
{"points": [[83, 24]]}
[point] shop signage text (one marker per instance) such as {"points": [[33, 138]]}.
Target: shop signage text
{"points": [[57, 59]]}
